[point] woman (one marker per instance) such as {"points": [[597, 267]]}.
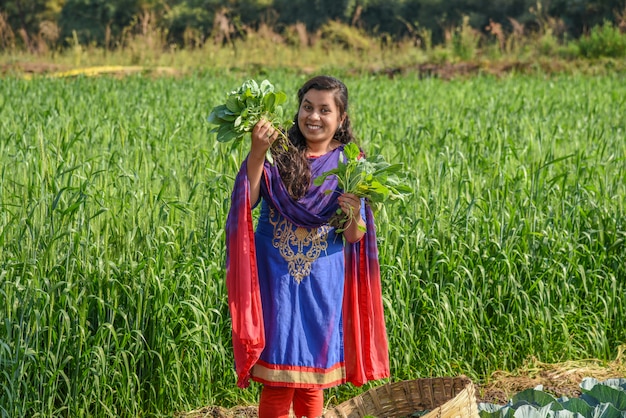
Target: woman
{"points": [[305, 299]]}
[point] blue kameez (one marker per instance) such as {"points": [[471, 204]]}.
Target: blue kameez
{"points": [[301, 280]]}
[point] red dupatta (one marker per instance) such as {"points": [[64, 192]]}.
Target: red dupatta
{"points": [[242, 282]]}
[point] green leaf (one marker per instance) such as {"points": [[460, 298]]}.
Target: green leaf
{"points": [[215, 115], [281, 97], [351, 151], [233, 104], [226, 134], [266, 87], [534, 397], [577, 405], [269, 101], [601, 393], [530, 411], [249, 88]]}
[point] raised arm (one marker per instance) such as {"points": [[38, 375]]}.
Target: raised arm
{"points": [[263, 134]]}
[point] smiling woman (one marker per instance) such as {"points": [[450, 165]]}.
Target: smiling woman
{"points": [[303, 294]]}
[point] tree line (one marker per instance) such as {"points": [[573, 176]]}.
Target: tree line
{"points": [[106, 23]]}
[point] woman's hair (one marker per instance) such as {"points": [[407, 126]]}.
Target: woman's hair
{"points": [[294, 168]]}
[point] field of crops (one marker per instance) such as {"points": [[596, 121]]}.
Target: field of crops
{"points": [[113, 200]]}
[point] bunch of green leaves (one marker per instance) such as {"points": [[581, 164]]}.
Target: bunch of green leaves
{"points": [[597, 399], [245, 106], [373, 179]]}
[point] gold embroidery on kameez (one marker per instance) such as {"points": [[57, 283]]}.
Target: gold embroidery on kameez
{"points": [[299, 246]]}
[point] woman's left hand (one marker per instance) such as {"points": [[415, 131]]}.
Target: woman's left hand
{"points": [[354, 228], [350, 204]]}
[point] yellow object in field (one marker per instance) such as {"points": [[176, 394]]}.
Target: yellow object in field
{"points": [[90, 71], [107, 69]]}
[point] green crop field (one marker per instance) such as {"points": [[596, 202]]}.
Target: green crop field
{"points": [[113, 200]]}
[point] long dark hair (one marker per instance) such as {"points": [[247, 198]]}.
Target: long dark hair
{"points": [[293, 166]]}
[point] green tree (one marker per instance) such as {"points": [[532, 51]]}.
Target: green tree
{"points": [[25, 16], [582, 15], [383, 17], [97, 22], [313, 13], [428, 14], [189, 15]]}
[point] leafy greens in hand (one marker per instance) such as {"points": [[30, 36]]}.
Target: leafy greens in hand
{"points": [[372, 179], [244, 107]]}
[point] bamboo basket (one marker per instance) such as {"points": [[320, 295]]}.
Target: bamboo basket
{"points": [[440, 397]]}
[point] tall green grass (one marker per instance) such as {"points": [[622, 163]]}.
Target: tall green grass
{"points": [[514, 243], [113, 199]]}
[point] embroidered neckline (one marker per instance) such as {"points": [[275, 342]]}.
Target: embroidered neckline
{"points": [[298, 246]]}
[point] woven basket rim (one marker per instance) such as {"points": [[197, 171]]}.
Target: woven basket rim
{"points": [[444, 397]]}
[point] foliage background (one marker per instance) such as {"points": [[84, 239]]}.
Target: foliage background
{"points": [[59, 23]]}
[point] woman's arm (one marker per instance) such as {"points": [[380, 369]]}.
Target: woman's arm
{"points": [[263, 134]]}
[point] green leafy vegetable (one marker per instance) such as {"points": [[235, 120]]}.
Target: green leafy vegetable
{"points": [[598, 399], [244, 107], [372, 179]]}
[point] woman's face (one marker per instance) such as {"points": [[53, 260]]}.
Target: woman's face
{"points": [[318, 116]]}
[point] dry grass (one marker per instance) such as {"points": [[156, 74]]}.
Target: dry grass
{"points": [[560, 379], [219, 412]]}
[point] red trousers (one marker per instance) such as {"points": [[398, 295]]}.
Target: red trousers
{"points": [[276, 402]]}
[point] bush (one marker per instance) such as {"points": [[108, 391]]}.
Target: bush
{"points": [[351, 38], [603, 41], [465, 41]]}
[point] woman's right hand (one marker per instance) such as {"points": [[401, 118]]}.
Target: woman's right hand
{"points": [[263, 135]]}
